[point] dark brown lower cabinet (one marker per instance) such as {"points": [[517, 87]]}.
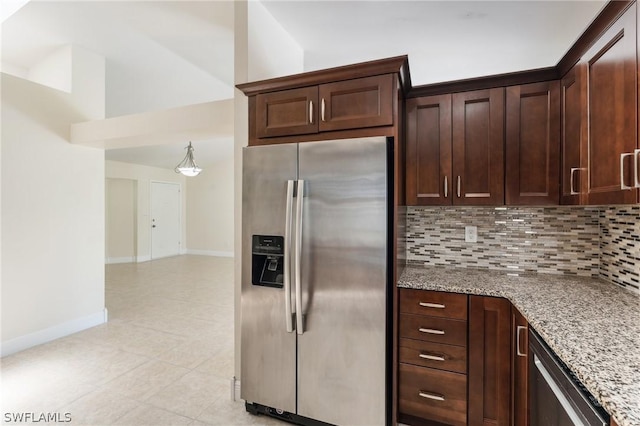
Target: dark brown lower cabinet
{"points": [[489, 373], [519, 369]]}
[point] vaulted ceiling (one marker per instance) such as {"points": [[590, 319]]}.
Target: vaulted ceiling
{"points": [[164, 54]]}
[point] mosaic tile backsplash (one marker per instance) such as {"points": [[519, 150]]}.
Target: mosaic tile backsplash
{"points": [[554, 240], [620, 245]]}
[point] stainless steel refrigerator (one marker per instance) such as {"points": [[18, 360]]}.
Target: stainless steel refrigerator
{"points": [[315, 281]]}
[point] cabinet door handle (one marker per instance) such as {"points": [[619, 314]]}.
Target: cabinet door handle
{"points": [[430, 331], [310, 112], [571, 190], [432, 305], [322, 108], [622, 157], [518, 330], [636, 162], [431, 357], [430, 395], [446, 187], [459, 184]]}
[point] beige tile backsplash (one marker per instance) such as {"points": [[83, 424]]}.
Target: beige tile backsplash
{"points": [[586, 241]]}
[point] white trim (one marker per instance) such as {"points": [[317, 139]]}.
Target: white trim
{"points": [[210, 253], [52, 333], [111, 260], [145, 258]]}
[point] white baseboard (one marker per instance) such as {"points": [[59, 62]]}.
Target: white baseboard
{"points": [[112, 260], [210, 253], [235, 389], [146, 258], [52, 333]]}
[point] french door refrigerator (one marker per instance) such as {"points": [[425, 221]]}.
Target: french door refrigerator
{"points": [[315, 281]]}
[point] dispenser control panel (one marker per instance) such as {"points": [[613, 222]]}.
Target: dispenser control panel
{"points": [[267, 263]]}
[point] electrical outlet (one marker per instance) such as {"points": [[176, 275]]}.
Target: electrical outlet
{"points": [[471, 234]]}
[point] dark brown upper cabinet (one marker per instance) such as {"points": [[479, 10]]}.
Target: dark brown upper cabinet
{"points": [[533, 144], [350, 104], [288, 112], [478, 147], [455, 147], [573, 171], [428, 165], [612, 143], [351, 101]]}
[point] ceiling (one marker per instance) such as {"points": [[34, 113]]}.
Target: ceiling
{"points": [[445, 40], [164, 54]]}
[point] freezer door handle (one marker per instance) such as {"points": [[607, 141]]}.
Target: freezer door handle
{"points": [[287, 258], [297, 254]]}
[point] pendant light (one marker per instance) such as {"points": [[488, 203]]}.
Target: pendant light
{"points": [[188, 166]]}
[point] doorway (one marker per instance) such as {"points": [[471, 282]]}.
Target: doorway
{"points": [[165, 219]]}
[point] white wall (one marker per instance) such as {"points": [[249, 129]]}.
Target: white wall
{"points": [[263, 49], [52, 209], [272, 51], [121, 220], [210, 210], [144, 175]]}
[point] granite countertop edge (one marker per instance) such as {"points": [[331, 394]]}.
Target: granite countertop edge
{"points": [[552, 306]]}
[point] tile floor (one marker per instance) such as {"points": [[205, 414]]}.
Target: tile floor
{"points": [[164, 358]]}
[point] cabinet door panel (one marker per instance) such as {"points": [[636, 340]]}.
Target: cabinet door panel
{"points": [[573, 93], [533, 144], [429, 150], [611, 78], [489, 361], [478, 147], [287, 112], [362, 102], [519, 369]]}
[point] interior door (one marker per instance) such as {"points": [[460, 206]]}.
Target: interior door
{"points": [[165, 219], [342, 348]]}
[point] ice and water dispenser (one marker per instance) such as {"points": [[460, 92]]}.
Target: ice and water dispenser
{"points": [[267, 260]]}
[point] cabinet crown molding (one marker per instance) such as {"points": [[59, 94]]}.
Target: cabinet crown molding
{"points": [[397, 64]]}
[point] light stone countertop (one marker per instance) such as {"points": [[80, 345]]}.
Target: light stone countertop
{"points": [[592, 325]]}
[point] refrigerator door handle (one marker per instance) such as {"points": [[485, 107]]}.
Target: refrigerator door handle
{"points": [[296, 255], [287, 258]]}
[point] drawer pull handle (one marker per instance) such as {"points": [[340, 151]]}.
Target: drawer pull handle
{"points": [[430, 331], [432, 357], [430, 395], [432, 305]]}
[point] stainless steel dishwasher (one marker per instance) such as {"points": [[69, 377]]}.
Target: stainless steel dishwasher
{"points": [[556, 396]]}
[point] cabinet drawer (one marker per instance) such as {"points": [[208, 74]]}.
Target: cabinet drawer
{"points": [[433, 303], [433, 394], [433, 355], [433, 329]]}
